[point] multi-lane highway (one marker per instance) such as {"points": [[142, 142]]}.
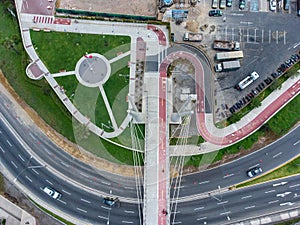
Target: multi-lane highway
{"points": [[235, 206]]}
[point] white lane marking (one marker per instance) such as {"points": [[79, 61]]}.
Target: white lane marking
{"points": [[224, 213], [65, 164], [124, 221], [9, 143], [228, 175], [82, 210], [35, 171], [2, 149], [202, 218], [271, 202], [83, 174], [286, 203], [103, 182], [28, 179], [105, 207], [254, 166], [278, 154], [21, 158], [127, 211], [204, 182], [103, 217], [68, 193], [297, 142], [30, 134], [179, 222], [14, 164], [62, 201], [49, 182], [220, 203], [248, 196], [250, 207], [295, 185], [195, 209], [269, 191], [84, 200], [129, 188]]}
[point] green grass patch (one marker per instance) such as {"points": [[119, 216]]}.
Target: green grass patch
{"points": [[61, 51], [1, 183], [52, 214], [291, 168], [259, 98], [290, 222], [40, 96]]}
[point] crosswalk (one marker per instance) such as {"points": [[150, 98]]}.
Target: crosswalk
{"points": [[43, 19]]}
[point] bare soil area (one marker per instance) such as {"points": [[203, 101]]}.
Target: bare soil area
{"points": [[128, 7]]}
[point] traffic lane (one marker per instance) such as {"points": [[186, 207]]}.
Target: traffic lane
{"points": [[247, 202], [56, 157], [75, 202], [235, 172]]}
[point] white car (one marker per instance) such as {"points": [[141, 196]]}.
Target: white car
{"points": [[52, 193], [272, 5]]}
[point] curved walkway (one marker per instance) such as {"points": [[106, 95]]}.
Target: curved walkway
{"points": [[219, 138]]}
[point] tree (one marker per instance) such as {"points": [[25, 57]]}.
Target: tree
{"points": [[255, 103]]}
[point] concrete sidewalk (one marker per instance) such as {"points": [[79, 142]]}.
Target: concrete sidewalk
{"points": [[13, 214]]}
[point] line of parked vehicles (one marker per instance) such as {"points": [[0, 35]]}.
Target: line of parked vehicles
{"points": [[227, 3], [266, 82]]}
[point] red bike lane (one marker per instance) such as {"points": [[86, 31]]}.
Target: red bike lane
{"points": [[250, 127]]}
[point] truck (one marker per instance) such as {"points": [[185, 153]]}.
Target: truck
{"points": [[226, 45], [227, 66], [192, 37], [229, 55], [247, 81]]}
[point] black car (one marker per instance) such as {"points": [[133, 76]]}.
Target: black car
{"points": [[112, 202], [254, 171], [215, 12]]}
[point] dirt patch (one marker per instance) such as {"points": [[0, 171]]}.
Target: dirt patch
{"points": [[127, 7], [30, 117]]}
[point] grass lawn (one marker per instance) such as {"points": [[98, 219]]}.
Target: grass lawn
{"points": [[61, 51], [290, 168], [38, 94], [278, 125]]}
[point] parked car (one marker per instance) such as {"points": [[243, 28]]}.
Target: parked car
{"points": [[242, 4], [215, 12], [222, 4], [229, 3], [254, 171], [52, 192], [272, 5]]}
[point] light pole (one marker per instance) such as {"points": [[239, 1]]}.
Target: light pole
{"points": [[28, 167]]}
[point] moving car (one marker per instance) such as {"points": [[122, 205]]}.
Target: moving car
{"points": [[272, 5], [215, 12], [112, 202], [254, 171], [52, 192]]}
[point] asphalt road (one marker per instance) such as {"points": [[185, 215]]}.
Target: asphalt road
{"points": [[235, 172], [235, 206]]}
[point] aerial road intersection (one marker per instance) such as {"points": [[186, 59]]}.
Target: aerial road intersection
{"points": [[171, 92]]}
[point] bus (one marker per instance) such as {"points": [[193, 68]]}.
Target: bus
{"points": [[229, 55]]}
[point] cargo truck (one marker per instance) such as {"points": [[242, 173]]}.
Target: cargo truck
{"points": [[226, 45], [229, 55], [227, 66], [192, 36]]}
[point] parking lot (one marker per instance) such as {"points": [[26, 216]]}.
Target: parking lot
{"points": [[267, 39]]}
